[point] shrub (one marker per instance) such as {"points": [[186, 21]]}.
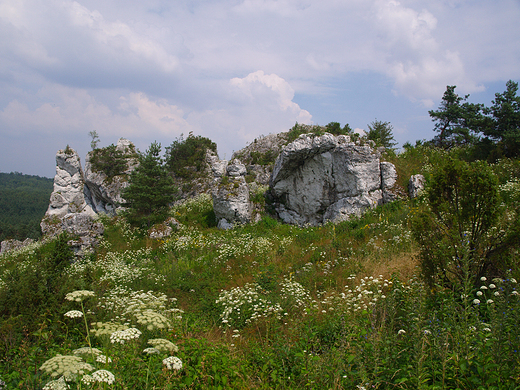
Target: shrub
{"points": [[186, 157]]}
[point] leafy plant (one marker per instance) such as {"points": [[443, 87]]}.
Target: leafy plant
{"points": [[186, 157]]}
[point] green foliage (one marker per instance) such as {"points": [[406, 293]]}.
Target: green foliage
{"points": [[23, 202], [491, 132], [266, 158], [381, 133], [333, 128], [458, 233], [150, 189], [95, 139], [186, 157], [110, 161]]}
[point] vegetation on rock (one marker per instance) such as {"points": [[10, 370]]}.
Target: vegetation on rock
{"points": [[185, 158]]}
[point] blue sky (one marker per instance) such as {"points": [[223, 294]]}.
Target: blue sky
{"points": [[232, 70]]}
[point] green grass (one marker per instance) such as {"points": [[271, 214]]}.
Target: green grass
{"points": [[331, 307]]}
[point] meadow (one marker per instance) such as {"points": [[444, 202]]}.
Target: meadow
{"points": [[262, 306]]}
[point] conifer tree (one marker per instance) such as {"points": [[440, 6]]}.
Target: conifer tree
{"points": [[150, 189]]}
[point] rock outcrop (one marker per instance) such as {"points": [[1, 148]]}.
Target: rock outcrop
{"points": [[230, 194], [328, 178], [415, 185], [78, 197]]}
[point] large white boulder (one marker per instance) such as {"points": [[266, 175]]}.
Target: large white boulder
{"points": [[326, 178]]}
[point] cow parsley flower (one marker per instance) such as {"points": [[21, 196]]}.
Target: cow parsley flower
{"points": [[86, 351], [74, 314], [79, 295], [121, 336], [104, 376], [58, 384], [151, 351], [163, 345], [66, 366], [103, 359], [172, 363]]}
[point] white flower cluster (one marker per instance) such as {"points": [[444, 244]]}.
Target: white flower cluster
{"points": [[57, 384], [172, 363], [74, 314], [67, 366], [125, 267], [362, 297], [151, 351], [106, 328], [294, 291], [87, 351], [151, 319], [79, 295], [163, 345], [246, 304], [103, 376], [103, 359], [121, 336]]}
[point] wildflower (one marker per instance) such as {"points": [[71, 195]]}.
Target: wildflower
{"points": [[79, 295], [103, 359], [489, 301], [492, 286], [66, 366], [427, 332], [486, 330], [104, 376], [74, 314], [496, 294], [58, 384], [88, 379], [483, 288], [483, 278], [513, 280], [163, 345], [476, 301], [401, 331], [121, 336], [514, 293], [86, 351], [151, 351], [172, 363]]}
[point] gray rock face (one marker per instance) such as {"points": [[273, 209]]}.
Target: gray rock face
{"points": [[104, 193], [231, 201], [11, 244], [415, 185], [328, 178], [79, 196]]}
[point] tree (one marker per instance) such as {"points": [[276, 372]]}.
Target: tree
{"points": [[150, 189], [184, 154], [95, 139], [504, 125], [381, 133], [465, 232]]}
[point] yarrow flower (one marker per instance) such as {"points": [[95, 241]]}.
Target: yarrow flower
{"points": [[401, 331], [88, 379], [121, 336], [104, 376], [86, 351], [492, 286], [476, 301], [483, 278], [479, 293], [79, 295], [489, 301], [74, 314], [172, 363]]}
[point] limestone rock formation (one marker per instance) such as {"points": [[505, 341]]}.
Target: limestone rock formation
{"points": [[230, 194], [328, 178], [11, 244], [415, 185], [105, 192]]}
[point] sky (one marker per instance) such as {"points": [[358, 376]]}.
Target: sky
{"points": [[234, 70]]}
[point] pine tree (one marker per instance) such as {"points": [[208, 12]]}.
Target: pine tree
{"points": [[381, 133], [150, 189]]}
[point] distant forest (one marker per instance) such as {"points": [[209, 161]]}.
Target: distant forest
{"points": [[23, 202]]}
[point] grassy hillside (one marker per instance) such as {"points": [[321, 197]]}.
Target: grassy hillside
{"points": [[23, 202], [263, 306]]}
